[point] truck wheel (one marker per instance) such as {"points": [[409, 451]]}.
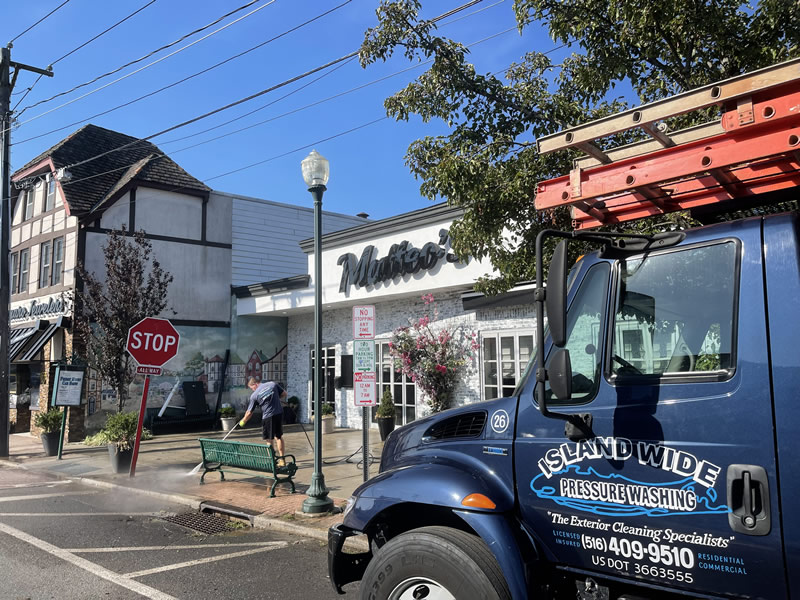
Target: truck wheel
{"points": [[434, 563]]}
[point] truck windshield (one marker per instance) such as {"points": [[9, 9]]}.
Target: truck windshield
{"points": [[674, 313]]}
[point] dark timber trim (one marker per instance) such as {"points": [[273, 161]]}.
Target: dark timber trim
{"points": [[167, 238], [199, 323], [132, 210]]}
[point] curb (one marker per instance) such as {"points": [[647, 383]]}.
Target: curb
{"points": [[259, 521]]}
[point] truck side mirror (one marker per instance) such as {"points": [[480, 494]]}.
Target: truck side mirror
{"points": [[559, 373], [556, 295]]}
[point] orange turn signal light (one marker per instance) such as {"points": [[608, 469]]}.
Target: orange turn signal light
{"points": [[478, 501]]}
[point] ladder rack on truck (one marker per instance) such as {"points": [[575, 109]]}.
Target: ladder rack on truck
{"points": [[752, 150]]}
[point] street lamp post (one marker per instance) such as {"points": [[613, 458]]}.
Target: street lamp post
{"points": [[315, 172]]}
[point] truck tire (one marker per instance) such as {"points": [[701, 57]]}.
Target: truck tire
{"points": [[434, 563]]}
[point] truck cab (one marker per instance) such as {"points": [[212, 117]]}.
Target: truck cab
{"points": [[645, 453]]}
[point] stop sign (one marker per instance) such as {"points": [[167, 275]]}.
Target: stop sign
{"points": [[153, 342]]}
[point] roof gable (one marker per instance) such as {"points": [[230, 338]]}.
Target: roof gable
{"points": [[120, 160]]}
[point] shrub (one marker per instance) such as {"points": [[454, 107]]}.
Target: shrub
{"points": [[48, 421], [432, 354], [327, 410], [226, 412], [293, 401], [120, 429], [386, 407]]}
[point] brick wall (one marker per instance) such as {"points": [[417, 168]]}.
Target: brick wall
{"points": [[337, 331]]}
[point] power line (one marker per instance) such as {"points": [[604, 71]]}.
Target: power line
{"points": [[39, 21], [273, 118], [187, 78], [102, 33], [145, 57]]}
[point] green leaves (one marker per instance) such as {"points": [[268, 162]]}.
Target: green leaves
{"points": [[488, 163]]}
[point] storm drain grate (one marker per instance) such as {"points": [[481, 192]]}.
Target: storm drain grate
{"points": [[204, 523]]}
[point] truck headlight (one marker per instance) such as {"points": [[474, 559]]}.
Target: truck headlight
{"points": [[351, 502]]}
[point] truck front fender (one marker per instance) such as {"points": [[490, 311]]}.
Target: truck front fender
{"points": [[441, 485], [497, 532]]}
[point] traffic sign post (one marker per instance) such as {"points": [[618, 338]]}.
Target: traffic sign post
{"points": [[364, 375], [151, 342]]}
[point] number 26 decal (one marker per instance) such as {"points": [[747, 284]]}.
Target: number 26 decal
{"points": [[499, 421]]}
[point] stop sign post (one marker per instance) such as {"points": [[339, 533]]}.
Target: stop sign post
{"points": [[151, 342]]}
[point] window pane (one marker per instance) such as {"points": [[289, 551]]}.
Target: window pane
{"points": [[583, 330], [58, 260], [525, 348], [13, 266], [507, 348], [490, 348], [675, 312], [490, 393], [490, 373], [51, 194], [24, 257], [44, 265]]}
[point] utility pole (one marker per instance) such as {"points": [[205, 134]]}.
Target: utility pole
{"points": [[6, 85]]}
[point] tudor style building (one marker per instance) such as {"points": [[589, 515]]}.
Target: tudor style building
{"points": [[66, 200]]}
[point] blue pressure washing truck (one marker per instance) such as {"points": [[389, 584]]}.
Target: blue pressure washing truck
{"points": [[647, 451]]}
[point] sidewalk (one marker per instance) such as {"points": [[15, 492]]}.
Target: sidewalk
{"points": [[164, 463]]}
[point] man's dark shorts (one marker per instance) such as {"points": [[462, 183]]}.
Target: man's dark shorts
{"points": [[272, 427]]}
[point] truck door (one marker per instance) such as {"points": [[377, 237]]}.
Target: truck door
{"points": [[677, 487]]}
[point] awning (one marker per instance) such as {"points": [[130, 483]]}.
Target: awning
{"points": [[25, 343]]}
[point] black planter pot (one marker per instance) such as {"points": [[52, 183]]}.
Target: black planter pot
{"points": [[289, 416], [385, 426], [50, 442], [120, 460]]}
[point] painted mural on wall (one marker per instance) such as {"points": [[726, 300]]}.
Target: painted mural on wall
{"points": [[257, 349]]}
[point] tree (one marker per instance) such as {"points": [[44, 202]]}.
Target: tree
{"points": [[196, 364], [134, 286], [489, 165]]}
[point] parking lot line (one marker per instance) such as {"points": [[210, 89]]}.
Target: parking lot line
{"points": [[120, 580], [201, 561]]}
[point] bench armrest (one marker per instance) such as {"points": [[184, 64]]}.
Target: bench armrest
{"points": [[285, 456]]}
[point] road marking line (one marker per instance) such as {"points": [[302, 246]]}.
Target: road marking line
{"points": [[42, 496], [200, 561], [156, 548], [120, 580], [36, 484], [85, 514]]}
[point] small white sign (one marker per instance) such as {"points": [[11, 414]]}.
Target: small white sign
{"points": [[363, 322], [70, 384], [363, 355], [365, 388]]}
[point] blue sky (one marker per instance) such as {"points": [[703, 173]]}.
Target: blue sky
{"points": [[367, 165]]}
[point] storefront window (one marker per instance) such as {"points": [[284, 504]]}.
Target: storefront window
{"points": [[505, 355], [403, 390], [328, 375]]}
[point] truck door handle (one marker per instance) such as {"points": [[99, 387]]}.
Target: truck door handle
{"points": [[748, 500]]}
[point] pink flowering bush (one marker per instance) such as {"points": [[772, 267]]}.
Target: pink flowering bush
{"points": [[433, 355]]}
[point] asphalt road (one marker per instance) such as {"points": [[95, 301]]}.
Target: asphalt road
{"points": [[61, 539]]}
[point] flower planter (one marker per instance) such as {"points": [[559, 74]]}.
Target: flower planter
{"points": [[120, 459], [385, 426], [50, 442], [228, 423], [328, 424]]}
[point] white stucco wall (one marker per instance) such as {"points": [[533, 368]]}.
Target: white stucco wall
{"points": [[338, 332], [183, 219], [266, 237]]}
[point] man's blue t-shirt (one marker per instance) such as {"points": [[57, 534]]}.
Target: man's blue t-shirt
{"points": [[267, 396]]}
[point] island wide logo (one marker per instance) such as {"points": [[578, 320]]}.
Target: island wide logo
{"points": [[568, 481]]}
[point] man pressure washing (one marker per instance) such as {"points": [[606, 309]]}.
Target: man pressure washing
{"points": [[267, 396]]}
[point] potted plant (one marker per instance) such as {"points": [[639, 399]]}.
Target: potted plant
{"points": [[327, 418], [385, 415], [290, 410], [227, 416], [120, 431], [49, 422]]}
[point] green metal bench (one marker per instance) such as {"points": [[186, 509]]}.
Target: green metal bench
{"points": [[246, 455]]}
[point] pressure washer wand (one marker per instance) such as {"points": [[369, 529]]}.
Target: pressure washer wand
{"points": [[197, 468]]}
